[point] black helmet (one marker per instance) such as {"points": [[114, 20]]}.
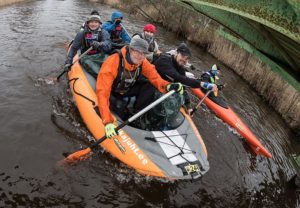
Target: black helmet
{"points": [[184, 50]]}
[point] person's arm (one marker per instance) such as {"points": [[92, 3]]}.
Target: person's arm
{"points": [[166, 68], [106, 77], [152, 75], [108, 26], [106, 42], [156, 50], [76, 45]]}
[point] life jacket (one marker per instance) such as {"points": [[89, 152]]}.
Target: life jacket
{"points": [[89, 37], [115, 34], [125, 79], [211, 77], [151, 42]]}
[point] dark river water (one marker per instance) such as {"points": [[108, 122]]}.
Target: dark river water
{"points": [[39, 122]]}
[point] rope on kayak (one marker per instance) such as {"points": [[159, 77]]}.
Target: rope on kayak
{"points": [[192, 168], [181, 153], [75, 79], [172, 145]]}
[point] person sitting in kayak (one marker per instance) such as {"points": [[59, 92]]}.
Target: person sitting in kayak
{"points": [[118, 79], [171, 68], [187, 66], [211, 76], [93, 12], [148, 35], [118, 34], [91, 36]]}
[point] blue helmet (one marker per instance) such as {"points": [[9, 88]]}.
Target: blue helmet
{"points": [[116, 15]]}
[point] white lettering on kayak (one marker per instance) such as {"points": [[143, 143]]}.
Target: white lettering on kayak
{"points": [[133, 147]]}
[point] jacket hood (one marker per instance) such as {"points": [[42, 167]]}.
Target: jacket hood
{"points": [[116, 15]]}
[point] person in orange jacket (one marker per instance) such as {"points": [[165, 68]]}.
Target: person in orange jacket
{"points": [[119, 76]]}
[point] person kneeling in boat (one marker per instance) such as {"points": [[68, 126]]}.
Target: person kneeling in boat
{"points": [[171, 68], [118, 80], [118, 33], [91, 36], [148, 35]]}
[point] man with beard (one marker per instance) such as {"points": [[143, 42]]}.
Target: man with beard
{"points": [[171, 68]]}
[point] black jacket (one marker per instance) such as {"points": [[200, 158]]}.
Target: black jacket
{"points": [[169, 70]]}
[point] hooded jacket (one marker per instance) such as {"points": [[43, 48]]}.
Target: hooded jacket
{"points": [[110, 27], [168, 69]]}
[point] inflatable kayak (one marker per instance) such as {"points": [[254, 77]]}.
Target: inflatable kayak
{"points": [[224, 112], [176, 152]]}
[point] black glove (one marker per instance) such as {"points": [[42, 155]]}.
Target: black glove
{"points": [[117, 22], [67, 67], [97, 45]]}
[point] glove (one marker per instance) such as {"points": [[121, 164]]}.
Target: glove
{"points": [[118, 21], [67, 67], [175, 86], [110, 130], [97, 45], [209, 86]]}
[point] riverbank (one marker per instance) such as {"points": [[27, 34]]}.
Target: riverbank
{"points": [[7, 2], [221, 43]]}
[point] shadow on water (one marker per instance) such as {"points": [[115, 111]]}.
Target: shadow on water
{"points": [[40, 122]]}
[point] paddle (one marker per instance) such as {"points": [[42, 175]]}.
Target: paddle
{"points": [[84, 153], [200, 102], [125, 29], [82, 55]]}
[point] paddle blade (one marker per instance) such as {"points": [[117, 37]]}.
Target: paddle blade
{"points": [[77, 156]]}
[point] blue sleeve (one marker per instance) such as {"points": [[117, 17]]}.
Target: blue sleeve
{"points": [[108, 26], [125, 36], [76, 45], [106, 47]]}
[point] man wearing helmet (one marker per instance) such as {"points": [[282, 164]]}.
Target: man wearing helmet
{"points": [[117, 32], [90, 36], [148, 35]]}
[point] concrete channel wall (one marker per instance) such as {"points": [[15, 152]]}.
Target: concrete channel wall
{"points": [[206, 33], [7, 2]]}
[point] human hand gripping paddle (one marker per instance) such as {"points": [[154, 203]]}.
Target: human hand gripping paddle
{"points": [[76, 156], [68, 69]]}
